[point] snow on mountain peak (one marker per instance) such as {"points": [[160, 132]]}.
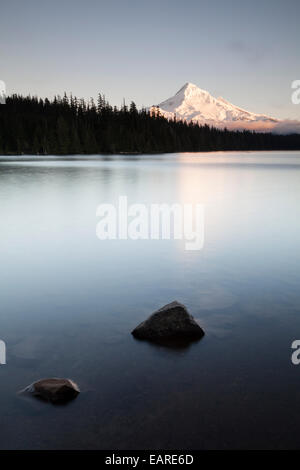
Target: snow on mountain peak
{"points": [[188, 87], [189, 90], [191, 103]]}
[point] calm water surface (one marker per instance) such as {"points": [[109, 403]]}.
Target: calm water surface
{"points": [[69, 302]]}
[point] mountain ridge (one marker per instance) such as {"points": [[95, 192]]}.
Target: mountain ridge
{"points": [[191, 103]]}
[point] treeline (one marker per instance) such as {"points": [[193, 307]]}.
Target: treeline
{"points": [[67, 125]]}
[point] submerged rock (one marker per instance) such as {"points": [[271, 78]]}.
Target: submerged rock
{"points": [[55, 390], [169, 322]]}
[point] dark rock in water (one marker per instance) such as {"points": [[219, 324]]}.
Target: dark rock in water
{"points": [[170, 321], [54, 390]]}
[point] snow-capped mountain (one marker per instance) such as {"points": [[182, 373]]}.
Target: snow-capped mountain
{"points": [[191, 103]]}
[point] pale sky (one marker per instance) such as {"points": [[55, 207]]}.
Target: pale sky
{"points": [[142, 50]]}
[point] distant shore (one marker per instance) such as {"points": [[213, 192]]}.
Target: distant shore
{"points": [[69, 126]]}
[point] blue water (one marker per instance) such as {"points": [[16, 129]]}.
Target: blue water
{"points": [[69, 302]]}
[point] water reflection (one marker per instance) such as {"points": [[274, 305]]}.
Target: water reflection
{"points": [[70, 301]]}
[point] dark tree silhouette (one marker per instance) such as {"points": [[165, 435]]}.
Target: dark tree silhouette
{"points": [[69, 125]]}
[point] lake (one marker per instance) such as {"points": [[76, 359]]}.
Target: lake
{"points": [[69, 302]]}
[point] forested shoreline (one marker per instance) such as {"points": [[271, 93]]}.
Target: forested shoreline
{"points": [[67, 125]]}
